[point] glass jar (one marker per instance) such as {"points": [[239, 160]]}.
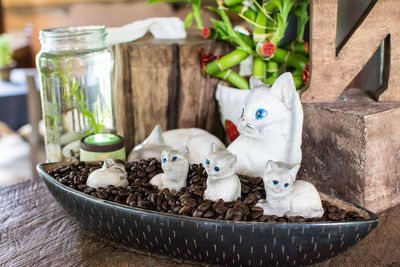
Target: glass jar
{"points": [[75, 68]]}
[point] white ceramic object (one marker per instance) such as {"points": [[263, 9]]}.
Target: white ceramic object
{"points": [[110, 174], [197, 140], [270, 127], [287, 197], [175, 164], [222, 182], [71, 151]]}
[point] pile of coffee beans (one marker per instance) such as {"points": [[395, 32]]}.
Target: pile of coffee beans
{"points": [[189, 200]]}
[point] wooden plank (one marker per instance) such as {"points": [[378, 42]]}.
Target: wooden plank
{"points": [[331, 73]]}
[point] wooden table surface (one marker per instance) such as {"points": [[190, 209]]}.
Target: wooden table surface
{"points": [[36, 231]]}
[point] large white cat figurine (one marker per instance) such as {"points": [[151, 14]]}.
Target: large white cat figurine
{"points": [[270, 127], [110, 174], [222, 182], [197, 140], [287, 197], [175, 164]]}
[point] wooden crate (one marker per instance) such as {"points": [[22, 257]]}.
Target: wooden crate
{"points": [[161, 82]]}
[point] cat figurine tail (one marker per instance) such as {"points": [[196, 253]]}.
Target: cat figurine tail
{"points": [[287, 197], [270, 126], [175, 165], [197, 140], [111, 173], [222, 182]]}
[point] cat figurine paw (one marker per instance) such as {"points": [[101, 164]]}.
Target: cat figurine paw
{"points": [[222, 182], [175, 164], [287, 197], [197, 140], [270, 126], [111, 173]]}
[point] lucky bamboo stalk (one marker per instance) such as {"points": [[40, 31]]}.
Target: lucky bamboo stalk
{"points": [[259, 68], [292, 59], [244, 11], [226, 62], [234, 78], [297, 47]]}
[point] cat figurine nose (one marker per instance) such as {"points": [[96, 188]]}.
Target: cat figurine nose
{"points": [[281, 189]]}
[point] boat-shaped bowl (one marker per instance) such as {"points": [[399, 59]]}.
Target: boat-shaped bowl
{"points": [[208, 240]]}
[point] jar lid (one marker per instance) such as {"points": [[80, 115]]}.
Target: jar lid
{"points": [[102, 142]]}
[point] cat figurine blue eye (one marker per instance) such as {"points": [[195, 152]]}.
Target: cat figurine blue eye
{"points": [[275, 182], [174, 158], [261, 113], [207, 162], [286, 185], [164, 160], [216, 169], [241, 116]]}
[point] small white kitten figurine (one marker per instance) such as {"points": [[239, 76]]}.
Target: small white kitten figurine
{"points": [[287, 197], [175, 164], [222, 182], [110, 174]]}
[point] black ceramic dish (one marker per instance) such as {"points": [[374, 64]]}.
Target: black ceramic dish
{"points": [[212, 241]]}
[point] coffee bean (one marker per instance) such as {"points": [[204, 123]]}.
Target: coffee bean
{"points": [[164, 205], [282, 219], [221, 209], [190, 202], [131, 198], [263, 218], [204, 206], [101, 193], [151, 168], [198, 213], [82, 187], [257, 208], [255, 180], [332, 209], [334, 216], [251, 198], [208, 214], [245, 189], [256, 215], [184, 210], [298, 219], [198, 193], [141, 174], [352, 214]]}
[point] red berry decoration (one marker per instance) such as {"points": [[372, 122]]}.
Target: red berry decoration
{"points": [[307, 47], [268, 49], [205, 32], [306, 73], [231, 130]]}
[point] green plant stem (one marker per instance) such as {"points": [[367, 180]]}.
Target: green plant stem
{"points": [[296, 47], [298, 81], [233, 34], [197, 14], [226, 62], [233, 78], [295, 60], [232, 2], [244, 11], [259, 68], [272, 69]]}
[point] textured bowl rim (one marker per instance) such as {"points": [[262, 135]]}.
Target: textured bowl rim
{"points": [[372, 217]]}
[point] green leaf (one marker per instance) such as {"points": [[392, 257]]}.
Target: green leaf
{"points": [[188, 20]]}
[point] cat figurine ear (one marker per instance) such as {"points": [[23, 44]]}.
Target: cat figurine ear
{"points": [[230, 159], [254, 82], [155, 137], [271, 166], [184, 150], [213, 148], [284, 88], [108, 163]]}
